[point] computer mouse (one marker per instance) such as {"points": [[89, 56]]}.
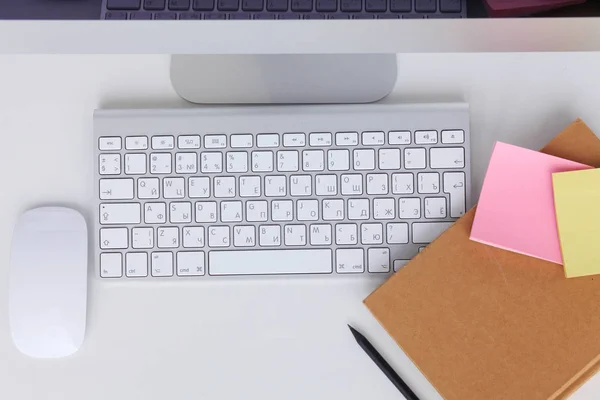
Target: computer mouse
{"points": [[48, 282]]}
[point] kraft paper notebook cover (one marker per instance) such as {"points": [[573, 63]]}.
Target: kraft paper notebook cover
{"points": [[483, 323]]}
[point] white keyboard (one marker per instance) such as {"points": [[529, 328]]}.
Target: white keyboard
{"points": [[332, 190]]}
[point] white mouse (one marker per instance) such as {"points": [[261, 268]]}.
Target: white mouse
{"points": [[48, 282]]}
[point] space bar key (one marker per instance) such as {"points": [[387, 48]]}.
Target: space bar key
{"points": [[267, 262]]}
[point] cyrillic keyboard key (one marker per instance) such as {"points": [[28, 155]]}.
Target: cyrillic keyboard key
{"points": [[228, 5], [302, 5], [154, 4], [376, 5], [203, 5], [427, 232], [179, 5], [267, 262], [351, 5], [400, 5], [277, 5], [252, 5], [326, 5]]}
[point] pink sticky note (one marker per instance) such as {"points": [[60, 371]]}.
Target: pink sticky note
{"points": [[516, 207]]}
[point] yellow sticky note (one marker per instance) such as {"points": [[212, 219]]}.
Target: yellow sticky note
{"points": [[577, 202]]}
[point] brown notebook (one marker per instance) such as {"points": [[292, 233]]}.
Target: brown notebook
{"points": [[483, 323]]}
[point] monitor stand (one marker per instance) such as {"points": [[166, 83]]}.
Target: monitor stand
{"points": [[283, 78]]}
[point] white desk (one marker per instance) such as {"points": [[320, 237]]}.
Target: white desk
{"points": [[247, 339]]}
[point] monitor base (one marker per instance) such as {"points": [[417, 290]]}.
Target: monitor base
{"points": [[283, 78]]}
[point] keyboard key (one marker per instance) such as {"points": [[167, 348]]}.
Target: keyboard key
{"points": [[193, 236], [264, 16], [376, 5], [289, 16], [288, 161], [190, 263], [333, 209], [338, 160], [346, 138], [250, 186], [237, 161], [167, 237], [143, 238], [231, 211], [116, 189], [218, 236], [450, 6], [267, 140], [402, 183], [136, 143], [269, 235], [160, 163], [428, 182], [228, 5], [199, 187], [384, 208], [260, 262], [364, 159], [425, 5], [351, 5], [136, 265], [135, 164], [426, 137], [140, 15], [410, 208], [371, 233], [186, 163], [295, 235], [399, 137], [148, 188], [401, 5], [256, 210], [262, 161], [294, 139], [203, 5], [398, 264], [349, 261], [111, 265], [123, 4], [397, 233], [215, 141], [358, 209], [320, 234], [435, 207], [373, 138], [252, 5], [115, 15], [120, 213], [277, 5], [313, 160], [427, 232], [241, 140], [326, 185], [314, 16], [188, 142], [307, 210], [414, 158], [239, 16], [163, 142], [211, 162], [282, 210], [190, 16], [110, 164], [302, 5], [378, 260], [346, 234], [180, 212], [173, 188], [453, 137], [113, 238], [449, 157], [326, 5], [155, 213], [377, 184], [454, 184], [320, 139], [154, 4], [224, 187], [165, 16], [301, 185], [179, 5], [109, 143], [206, 211], [389, 159], [352, 184], [162, 264]]}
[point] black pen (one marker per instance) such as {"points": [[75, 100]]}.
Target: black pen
{"points": [[383, 365]]}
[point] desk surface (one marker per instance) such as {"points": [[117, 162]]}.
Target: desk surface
{"points": [[245, 339]]}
